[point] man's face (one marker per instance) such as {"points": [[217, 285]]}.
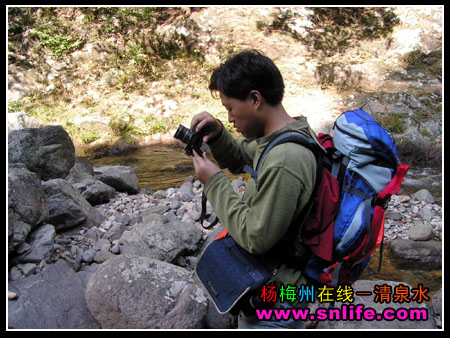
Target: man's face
{"points": [[243, 115]]}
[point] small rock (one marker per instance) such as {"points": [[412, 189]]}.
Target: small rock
{"points": [[102, 255], [88, 256], [27, 269], [404, 198], [160, 194], [15, 273], [175, 205], [420, 231], [425, 196], [186, 188], [115, 249], [186, 197], [394, 215], [426, 213], [194, 215]]}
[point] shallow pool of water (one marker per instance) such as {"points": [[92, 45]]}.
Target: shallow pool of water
{"points": [[167, 166], [158, 167], [423, 178], [392, 270]]}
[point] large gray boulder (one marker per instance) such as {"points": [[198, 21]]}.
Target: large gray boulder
{"points": [[425, 196], [48, 151], [411, 254], [40, 244], [17, 231], [135, 292], [27, 204], [67, 208], [121, 178], [81, 176], [164, 242], [51, 299], [80, 170], [95, 191]]}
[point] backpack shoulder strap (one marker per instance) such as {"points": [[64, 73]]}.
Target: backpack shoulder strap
{"points": [[289, 245], [285, 137]]}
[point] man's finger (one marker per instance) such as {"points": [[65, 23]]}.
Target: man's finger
{"points": [[194, 121], [198, 120], [200, 125], [197, 157]]}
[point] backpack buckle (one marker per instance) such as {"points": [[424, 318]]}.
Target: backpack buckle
{"points": [[336, 155], [382, 202]]}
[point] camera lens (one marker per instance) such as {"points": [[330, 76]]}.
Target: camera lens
{"points": [[183, 134]]}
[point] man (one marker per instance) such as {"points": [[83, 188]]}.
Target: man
{"points": [[251, 88]]}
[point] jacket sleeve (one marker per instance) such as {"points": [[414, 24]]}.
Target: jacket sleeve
{"points": [[260, 221], [231, 153]]}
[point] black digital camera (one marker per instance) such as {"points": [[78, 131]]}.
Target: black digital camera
{"points": [[193, 140]]}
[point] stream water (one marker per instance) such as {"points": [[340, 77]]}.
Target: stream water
{"points": [[164, 166], [160, 167]]}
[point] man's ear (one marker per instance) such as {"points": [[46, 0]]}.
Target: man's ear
{"points": [[256, 96]]}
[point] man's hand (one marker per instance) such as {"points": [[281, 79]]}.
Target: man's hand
{"points": [[204, 119], [204, 168]]}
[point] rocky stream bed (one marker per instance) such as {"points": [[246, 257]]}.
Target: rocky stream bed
{"points": [[89, 249]]}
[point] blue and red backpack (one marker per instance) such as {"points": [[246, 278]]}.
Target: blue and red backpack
{"points": [[343, 223]]}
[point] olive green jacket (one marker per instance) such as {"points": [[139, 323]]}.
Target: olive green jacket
{"points": [[285, 183]]}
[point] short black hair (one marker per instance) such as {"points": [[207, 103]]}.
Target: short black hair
{"points": [[249, 70]]}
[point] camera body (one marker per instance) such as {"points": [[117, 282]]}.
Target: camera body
{"points": [[193, 140]]}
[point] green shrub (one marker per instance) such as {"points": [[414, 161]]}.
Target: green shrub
{"points": [[122, 125], [59, 44], [20, 19], [336, 28], [392, 122], [418, 60]]}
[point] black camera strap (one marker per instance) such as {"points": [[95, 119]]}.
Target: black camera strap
{"points": [[204, 216]]}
